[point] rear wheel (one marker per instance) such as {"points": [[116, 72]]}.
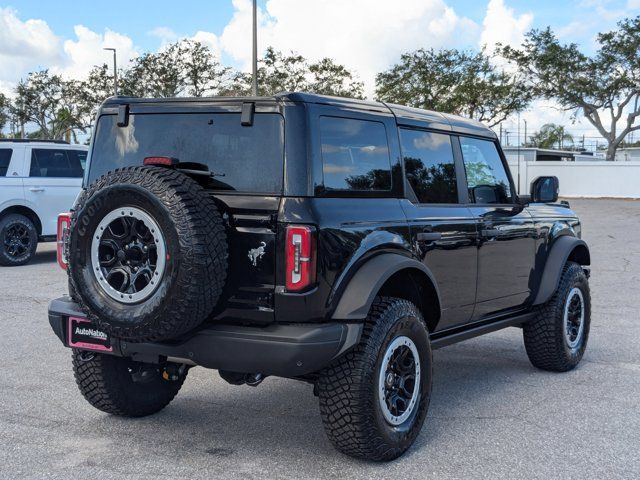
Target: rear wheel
{"points": [[374, 399], [556, 338], [120, 386], [19, 240]]}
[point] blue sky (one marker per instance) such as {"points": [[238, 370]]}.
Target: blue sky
{"points": [[134, 18], [67, 37], [138, 18]]}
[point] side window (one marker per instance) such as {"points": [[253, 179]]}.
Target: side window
{"points": [[429, 166], [355, 154], [47, 162], [486, 176], [82, 158], [5, 158]]}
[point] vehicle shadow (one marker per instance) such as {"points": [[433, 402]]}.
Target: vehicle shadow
{"points": [[43, 256], [283, 415]]}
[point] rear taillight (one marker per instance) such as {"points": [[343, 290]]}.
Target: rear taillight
{"points": [[64, 224], [301, 257]]}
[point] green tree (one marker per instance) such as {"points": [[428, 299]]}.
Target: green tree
{"points": [[550, 136], [279, 72], [186, 67], [5, 112], [604, 87], [50, 103], [461, 82], [330, 78]]}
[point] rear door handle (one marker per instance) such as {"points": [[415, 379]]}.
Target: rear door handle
{"points": [[428, 236], [490, 232], [36, 189]]}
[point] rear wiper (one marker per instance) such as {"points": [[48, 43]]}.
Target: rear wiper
{"points": [[196, 168]]}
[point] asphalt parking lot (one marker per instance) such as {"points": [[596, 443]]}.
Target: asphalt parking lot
{"points": [[492, 414]]}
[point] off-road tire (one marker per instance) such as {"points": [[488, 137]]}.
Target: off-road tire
{"points": [[544, 337], [6, 223], [196, 253], [105, 381], [348, 389]]}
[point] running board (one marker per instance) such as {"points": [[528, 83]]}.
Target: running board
{"points": [[455, 335]]}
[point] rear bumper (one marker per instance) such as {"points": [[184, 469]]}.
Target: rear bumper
{"points": [[287, 350]]}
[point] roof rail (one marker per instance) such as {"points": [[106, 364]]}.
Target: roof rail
{"points": [[32, 140]]}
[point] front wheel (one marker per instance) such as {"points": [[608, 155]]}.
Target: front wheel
{"points": [[374, 399], [556, 338]]}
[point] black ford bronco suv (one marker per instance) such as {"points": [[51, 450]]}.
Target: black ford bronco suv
{"points": [[328, 240]]}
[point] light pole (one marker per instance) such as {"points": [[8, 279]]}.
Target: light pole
{"points": [[115, 70], [254, 63], [519, 143]]}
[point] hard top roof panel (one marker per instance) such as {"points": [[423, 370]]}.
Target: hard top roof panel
{"points": [[405, 115]]}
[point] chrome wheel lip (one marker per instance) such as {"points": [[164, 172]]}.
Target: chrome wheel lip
{"points": [[152, 225], [568, 324], [382, 377]]}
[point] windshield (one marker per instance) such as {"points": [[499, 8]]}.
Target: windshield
{"points": [[244, 159]]}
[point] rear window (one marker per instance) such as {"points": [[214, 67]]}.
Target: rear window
{"points": [[57, 163], [5, 158], [244, 159], [355, 154]]}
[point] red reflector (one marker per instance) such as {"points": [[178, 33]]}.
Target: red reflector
{"points": [[64, 224], [165, 161], [300, 257]]}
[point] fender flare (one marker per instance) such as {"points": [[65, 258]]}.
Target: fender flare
{"points": [[561, 249], [358, 296]]}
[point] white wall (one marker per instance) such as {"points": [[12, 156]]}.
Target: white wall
{"points": [[583, 179]]}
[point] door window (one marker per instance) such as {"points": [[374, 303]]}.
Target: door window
{"points": [[429, 166], [48, 162], [5, 158], [487, 178], [355, 154]]}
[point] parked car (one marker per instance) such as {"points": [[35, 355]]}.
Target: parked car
{"points": [[329, 240], [38, 180]]}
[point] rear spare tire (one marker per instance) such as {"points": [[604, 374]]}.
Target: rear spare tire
{"points": [[148, 253]]}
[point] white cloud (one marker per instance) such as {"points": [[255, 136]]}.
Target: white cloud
{"points": [[366, 36], [502, 25], [24, 45], [633, 4], [210, 40], [31, 45], [87, 50], [167, 36]]}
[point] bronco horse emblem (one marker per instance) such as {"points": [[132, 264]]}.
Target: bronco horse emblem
{"points": [[256, 254]]}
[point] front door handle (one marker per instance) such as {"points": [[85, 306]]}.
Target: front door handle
{"points": [[36, 189], [490, 232], [428, 236]]}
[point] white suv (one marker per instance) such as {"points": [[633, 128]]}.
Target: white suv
{"points": [[38, 180]]}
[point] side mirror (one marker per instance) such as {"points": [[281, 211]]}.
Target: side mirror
{"points": [[545, 190]]}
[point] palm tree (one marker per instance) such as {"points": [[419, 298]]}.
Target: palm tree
{"points": [[549, 136]]}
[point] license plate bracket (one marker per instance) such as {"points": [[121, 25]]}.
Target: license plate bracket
{"points": [[85, 335]]}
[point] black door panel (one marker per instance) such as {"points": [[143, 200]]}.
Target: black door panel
{"points": [[507, 234], [506, 257], [445, 239]]}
